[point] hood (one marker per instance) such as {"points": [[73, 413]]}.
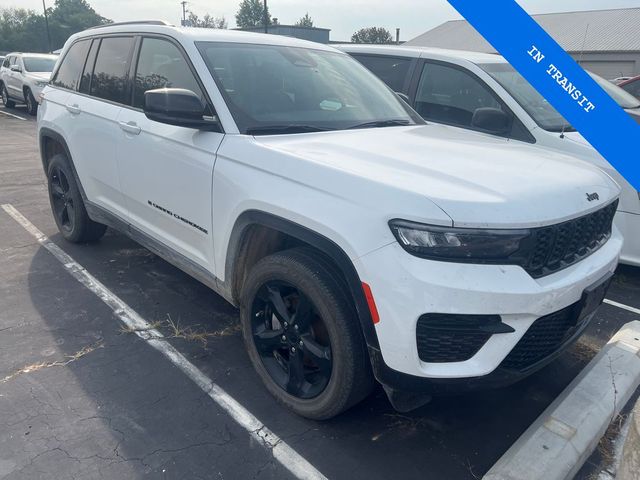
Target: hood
{"points": [[40, 76], [478, 180], [629, 199]]}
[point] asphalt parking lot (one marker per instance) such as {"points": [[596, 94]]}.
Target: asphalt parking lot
{"points": [[83, 396]]}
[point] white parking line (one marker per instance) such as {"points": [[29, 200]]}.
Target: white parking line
{"points": [[12, 115], [622, 305], [282, 452]]}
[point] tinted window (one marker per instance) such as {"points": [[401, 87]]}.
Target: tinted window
{"points": [[391, 70], [85, 81], [450, 95], [633, 88], [162, 65], [68, 73], [6, 62], [110, 72]]}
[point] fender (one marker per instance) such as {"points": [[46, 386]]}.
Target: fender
{"points": [[322, 243], [47, 133]]}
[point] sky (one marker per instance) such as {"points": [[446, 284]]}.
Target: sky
{"points": [[343, 17]]}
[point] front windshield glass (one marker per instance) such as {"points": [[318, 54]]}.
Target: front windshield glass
{"points": [[39, 64], [528, 97], [622, 98], [273, 89]]}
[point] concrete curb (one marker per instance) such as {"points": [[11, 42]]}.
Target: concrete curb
{"points": [[558, 443], [629, 468]]}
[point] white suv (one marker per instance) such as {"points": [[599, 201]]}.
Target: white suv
{"points": [[22, 78], [358, 242]]}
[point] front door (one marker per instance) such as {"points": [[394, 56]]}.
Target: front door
{"points": [[166, 172]]}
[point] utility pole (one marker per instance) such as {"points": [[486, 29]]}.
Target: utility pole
{"points": [[184, 13], [46, 22], [265, 19], [397, 36]]}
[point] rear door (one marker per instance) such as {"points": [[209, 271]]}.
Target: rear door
{"points": [[166, 172], [93, 108]]}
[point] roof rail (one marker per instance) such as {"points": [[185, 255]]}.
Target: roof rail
{"points": [[134, 22]]}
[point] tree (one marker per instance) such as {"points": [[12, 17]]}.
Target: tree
{"points": [[372, 35], [71, 16], [305, 21], [24, 30], [207, 21], [251, 14]]}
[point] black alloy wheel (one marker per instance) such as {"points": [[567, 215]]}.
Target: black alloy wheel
{"points": [[291, 339], [62, 200]]}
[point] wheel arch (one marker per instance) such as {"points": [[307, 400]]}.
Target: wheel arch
{"points": [[52, 143], [240, 256]]}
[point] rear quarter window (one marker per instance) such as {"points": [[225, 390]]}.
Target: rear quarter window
{"points": [[68, 74]]}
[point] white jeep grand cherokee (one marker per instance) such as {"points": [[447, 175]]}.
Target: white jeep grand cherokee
{"points": [[358, 241]]}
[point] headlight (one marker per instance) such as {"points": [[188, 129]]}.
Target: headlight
{"points": [[41, 84], [461, 244]]}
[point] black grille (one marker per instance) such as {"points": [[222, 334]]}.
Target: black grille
{"points": [[559, 246], [545, 336], [451, 338]]}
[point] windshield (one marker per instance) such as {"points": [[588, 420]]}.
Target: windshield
{"points": [[622, 98], [39, 64], [273, 89], [528, 97]]}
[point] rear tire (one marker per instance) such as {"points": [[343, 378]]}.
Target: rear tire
{"points": [[32, 105], [6, 101], [315, 333], [67, 206]]}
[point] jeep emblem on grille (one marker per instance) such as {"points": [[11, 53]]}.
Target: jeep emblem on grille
{"points": [[593, 196]]}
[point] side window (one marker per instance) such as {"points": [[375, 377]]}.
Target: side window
{"points": [[109, 79], [391, 70], [68, 74], [162, 65], [85, 80], [451, 95]]}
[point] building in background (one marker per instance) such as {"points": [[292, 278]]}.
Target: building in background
{"points": [[313, 34], [606, 42]]}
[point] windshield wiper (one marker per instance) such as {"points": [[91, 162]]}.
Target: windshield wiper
{"points": [[380, 123], [283, 129]]}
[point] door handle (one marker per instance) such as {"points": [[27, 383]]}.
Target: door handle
{"points": [[130, 127], [74, 109]]}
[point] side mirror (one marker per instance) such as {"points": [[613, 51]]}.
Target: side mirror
{"points": [[492, 120], [404, 97], [179, 107], [16, 68]]}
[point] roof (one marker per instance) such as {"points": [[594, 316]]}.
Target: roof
{"points": [[278, 25], [586, 31], [199, 34], [421, 52]]}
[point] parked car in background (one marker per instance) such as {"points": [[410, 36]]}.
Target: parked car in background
{"points": [[357, 240], [22, 77], [483, 92], [1, 59], [623, 98], [632, 86]]}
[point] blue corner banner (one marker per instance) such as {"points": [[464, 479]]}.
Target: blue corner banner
{"points": [[559, 79]]}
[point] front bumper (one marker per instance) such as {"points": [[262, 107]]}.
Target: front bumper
{"points": [[405, 287]]}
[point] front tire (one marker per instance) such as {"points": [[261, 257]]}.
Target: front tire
{"points": [[6, 101], [302, 334], [67, 206], [32, 105]]}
